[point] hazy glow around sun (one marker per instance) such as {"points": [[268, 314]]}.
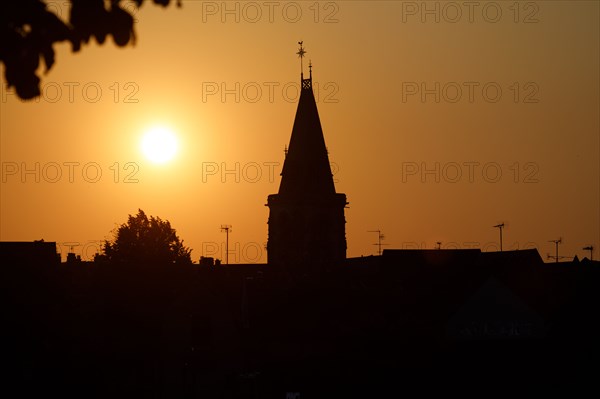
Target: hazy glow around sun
{"points": [[159, 144]]}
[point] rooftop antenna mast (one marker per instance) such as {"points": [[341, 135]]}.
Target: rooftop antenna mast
{"points": [[71, 252], [556, 242], [500, 227], [380, 237], [591, 249], [226, 228], [72, 246]]}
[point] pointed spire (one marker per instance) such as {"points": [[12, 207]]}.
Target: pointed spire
{"points": [[306, 170], [306, 217]]}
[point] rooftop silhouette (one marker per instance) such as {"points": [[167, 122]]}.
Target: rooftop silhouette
{"points": [[310, 323]]}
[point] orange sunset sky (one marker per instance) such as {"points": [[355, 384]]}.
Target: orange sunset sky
{"points": [[442, 119]]}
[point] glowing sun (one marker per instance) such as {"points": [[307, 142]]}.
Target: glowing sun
{"points": [[159, 144]]}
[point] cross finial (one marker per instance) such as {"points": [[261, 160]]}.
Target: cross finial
{"points": [[301, 53]]}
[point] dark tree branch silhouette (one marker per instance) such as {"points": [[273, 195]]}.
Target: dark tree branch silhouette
{"points": [[29, 29], [144, 240]]}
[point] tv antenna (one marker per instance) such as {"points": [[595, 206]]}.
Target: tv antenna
{"points": [[556, 242], [500, 226], [71, 245], [226, 228], [591, 249], [380, 238]]}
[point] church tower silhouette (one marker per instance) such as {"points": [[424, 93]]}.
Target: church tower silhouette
{"points": [[307, 231]]}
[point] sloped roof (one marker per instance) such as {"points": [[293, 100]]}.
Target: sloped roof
{"points": [[306, 170]]}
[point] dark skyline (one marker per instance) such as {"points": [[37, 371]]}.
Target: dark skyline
{"points": [[469, 153], [419, 170]]}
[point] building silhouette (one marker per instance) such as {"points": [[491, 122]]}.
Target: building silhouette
{"points": [[30, 253], [429, 321], [307, 230]]}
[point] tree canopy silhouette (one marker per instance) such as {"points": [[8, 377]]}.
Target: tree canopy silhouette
{"points": [[29, 28], [144, 240]]}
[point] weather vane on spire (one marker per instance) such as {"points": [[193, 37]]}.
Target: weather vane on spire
{"points": [[301, 53]]}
